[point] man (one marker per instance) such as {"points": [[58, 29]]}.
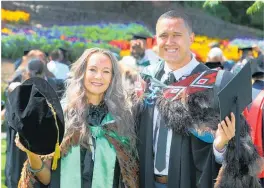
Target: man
{"points": [[66, 56], [142, 56], [21, 65], [35, 67], [15, 158], [60, 70], [32, 52], [168, 158], [215, 58], [247, 54], [256, 48]]}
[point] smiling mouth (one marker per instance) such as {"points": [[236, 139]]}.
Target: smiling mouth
{"points": [[171, 50], [96, 84]]}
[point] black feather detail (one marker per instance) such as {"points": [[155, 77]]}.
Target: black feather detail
{"points": [[241, 172], [197, 111]]}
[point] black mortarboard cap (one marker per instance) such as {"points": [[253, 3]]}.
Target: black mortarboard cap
{"points": [[245, 49], [63, 50], [235, 96], [46, 53], [140, 36], [37, 116], [26, 52]]}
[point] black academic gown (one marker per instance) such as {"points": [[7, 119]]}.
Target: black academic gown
{"points": [[15, 159], [192, 162], [214, 65], [58, 85]]}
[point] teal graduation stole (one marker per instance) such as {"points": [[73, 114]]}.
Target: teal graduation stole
{"points": [[70, 174], [144, 64], [104, 161], [105, 156]]}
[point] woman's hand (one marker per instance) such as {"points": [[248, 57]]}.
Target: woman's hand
{"points": [[225, 132], [36, 163]]}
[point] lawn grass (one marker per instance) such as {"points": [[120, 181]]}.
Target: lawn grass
{"points": [[3, 161]]}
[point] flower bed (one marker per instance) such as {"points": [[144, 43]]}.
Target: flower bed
{"points": [[201, 47], [230, 48], [14, 46], [76, 38], [114, 37], [15, 16]]}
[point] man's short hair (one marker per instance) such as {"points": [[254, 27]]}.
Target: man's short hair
{"points": [[172, 14], [215, 52], [56, 55]]}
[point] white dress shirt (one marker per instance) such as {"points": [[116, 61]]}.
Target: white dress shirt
{"points": [[180, 73], [59, 70]]}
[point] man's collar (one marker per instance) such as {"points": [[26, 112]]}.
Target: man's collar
{"points": [[184, 71], [55, 62]]}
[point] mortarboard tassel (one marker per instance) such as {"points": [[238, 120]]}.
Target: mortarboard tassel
{"points": [[56, 155]]}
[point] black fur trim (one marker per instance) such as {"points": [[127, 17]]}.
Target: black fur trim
{"points": [[197, 111], [241, 172]]}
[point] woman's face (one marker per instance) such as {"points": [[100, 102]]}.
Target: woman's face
{"points": [[98, 74]]}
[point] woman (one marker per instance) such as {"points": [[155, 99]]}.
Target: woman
{"points": [[99, 147]]}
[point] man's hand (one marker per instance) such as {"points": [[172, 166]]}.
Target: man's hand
{"points": [[225, 132]]}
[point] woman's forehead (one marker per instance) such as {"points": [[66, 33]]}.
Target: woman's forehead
{"points": [[99, 59]]}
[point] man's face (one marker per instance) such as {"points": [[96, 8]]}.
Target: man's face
{"points": [[250, 54], [39, 54], [137, 48], [174, 41]]}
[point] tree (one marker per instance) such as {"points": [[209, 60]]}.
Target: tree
{"points": [[246, 13], [254, 8]]}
